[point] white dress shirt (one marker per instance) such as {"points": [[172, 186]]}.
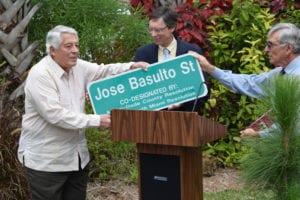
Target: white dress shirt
{"points": [[53, 126]]}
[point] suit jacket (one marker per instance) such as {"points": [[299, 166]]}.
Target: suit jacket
{"points": [[149, 53]]}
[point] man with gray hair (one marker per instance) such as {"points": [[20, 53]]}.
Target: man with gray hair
{"points": [[283, 49], [52, 147]]}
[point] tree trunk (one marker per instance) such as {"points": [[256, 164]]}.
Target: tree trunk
{"points": [[16, 55]]}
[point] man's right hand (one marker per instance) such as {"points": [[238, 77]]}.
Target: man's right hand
{"points": [[105, 122], [141, 64]]}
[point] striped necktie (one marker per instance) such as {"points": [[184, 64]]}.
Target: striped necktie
{"points": [[166, 53]]}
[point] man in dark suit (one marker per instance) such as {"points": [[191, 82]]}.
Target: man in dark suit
{"points": [[165, 45]]}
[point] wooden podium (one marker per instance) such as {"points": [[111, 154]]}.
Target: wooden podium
{"points": [[169, 157]]}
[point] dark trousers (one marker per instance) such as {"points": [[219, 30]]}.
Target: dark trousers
{"points": [[57, 185]]}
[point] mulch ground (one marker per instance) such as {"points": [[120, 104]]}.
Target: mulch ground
{"points": [[222, 179]]}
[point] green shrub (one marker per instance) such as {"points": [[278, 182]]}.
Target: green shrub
{"points": [[108, 32], [238, 40], [110, 160]]}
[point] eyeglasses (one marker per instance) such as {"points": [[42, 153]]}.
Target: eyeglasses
{"points": [[157, 30], [271, 45]]}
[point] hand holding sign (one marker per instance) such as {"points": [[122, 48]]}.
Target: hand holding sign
{"points": [[166, 83], [105, 122], [142, 65]]}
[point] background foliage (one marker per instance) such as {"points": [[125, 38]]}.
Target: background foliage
{"points": [[107, 31]]}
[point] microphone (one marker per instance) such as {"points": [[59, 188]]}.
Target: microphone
{"points": [[198, 92]]}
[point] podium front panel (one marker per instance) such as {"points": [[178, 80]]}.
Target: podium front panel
{"points": [[159, 176]]}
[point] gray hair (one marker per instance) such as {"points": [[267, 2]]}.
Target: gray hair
{"points": [[54, 36], [289, 34]]}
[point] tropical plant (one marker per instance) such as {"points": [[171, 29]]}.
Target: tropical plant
{"points": [[274, 160], [16, 56]]}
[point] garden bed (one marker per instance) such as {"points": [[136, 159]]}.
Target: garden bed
{"points": [[222, 179]]}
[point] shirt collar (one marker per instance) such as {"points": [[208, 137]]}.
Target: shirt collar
{"points": [[292, 66], [56, 68], [171, 47]]}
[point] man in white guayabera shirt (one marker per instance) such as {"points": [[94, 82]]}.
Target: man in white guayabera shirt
{"points": [[53, 147]]}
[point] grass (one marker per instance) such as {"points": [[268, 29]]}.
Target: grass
{"points": [[244, 194]]}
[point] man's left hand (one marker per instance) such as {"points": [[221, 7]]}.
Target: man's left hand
{"points": [[174, 106]]}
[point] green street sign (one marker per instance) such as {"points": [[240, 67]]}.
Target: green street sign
{"points": [[166, 83]]}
